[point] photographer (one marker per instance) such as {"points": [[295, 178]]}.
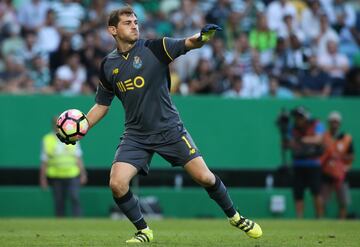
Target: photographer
{"points": [[336, 162], [304, 140]]}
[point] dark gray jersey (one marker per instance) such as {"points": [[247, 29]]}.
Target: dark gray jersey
{"points": [[140, 78]]}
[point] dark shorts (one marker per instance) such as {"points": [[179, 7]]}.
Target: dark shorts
{"points": [[174, 145], [306, 177]]}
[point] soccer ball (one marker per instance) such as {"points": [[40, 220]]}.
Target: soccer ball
{"points": [[72, 125]]}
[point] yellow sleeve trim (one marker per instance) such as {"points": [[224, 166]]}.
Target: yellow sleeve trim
{"points": [[167, 53], [187, 142]]}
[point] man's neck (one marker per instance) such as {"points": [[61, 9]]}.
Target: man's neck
{"points": [[124, 47]]}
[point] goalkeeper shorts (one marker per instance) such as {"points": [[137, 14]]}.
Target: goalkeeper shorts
{"points": [[175, 145]]}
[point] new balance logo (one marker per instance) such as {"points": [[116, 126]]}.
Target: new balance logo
{"points": [[115, 71]]}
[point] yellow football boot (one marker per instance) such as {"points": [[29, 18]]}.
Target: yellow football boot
{"points": [[252, 229], [142, 236]]}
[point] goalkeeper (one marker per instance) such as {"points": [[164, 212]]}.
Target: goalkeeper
{"points": [[137, 73]]}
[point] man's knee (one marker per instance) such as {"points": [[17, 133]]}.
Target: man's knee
{"points": [[118, 186], [206, 179], [120, 177]]}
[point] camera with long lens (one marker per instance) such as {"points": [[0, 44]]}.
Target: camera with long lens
{"points": [[286, 123], [282, 122]]}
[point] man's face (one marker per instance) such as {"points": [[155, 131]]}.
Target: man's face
{"points": [[334, 125], [332, 47], [127, 29], [300, 121]]}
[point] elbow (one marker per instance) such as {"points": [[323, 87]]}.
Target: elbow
{"points": [[102, 108]]}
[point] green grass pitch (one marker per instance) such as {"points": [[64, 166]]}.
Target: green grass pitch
{"points": [[176, 232]]}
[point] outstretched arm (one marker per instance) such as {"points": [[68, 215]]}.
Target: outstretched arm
{"points": [[193, 42], [167, 49], [96, 113], [199, 39]]}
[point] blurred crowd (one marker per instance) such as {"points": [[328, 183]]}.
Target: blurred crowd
{"points": [[281, 48]]}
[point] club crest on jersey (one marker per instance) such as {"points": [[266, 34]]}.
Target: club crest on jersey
{"points": [[137, 62]]}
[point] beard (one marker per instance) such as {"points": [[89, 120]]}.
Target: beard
{"points": [[132, 38]]}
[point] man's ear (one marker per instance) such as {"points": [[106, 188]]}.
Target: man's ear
{"points": [[112, 30]]}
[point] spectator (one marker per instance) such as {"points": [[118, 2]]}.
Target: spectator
{"points": [[348, 44], [62, 168], [340, 14], [241, 60], [355, 32], [277, 10], [314, 81], [2, 64], [236, 90], [290, 27], [277, 91], [217, 54], [96, 15], [220, 59], [278, 60], [203, 81], [310, 20], [30, 50], [232, 29], [13, 43], [255, 83], [157, 25], [336, 65], [289, 61], [219, 12], [69, 15], [15, 78], [91, 57], [32, 14], [324, 36], [248, 11], [336, 162], [187, 20], [305, 143], [59, 56], [70, 77], [48, 39], [296, 54], [223, 78], [40, 75], [8, 20], [352, 85], [262, 38]]}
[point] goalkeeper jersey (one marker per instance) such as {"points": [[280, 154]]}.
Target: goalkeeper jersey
{"points": [[140, 79]]}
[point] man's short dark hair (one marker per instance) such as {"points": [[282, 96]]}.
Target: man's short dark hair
{"points": [[300, 111], [114, 17]]}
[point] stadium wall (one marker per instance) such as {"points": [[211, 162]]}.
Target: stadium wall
{"points": [[181, 203], [230, 133]]}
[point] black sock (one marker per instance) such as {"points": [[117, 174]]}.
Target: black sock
{"points": [[219, 194], [131, 208]]}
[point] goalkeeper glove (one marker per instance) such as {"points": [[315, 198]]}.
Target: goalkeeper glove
{"points": [[208, 31], [64, 140]]}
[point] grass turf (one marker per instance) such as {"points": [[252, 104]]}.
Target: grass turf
{"points": [[174, 232]]}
